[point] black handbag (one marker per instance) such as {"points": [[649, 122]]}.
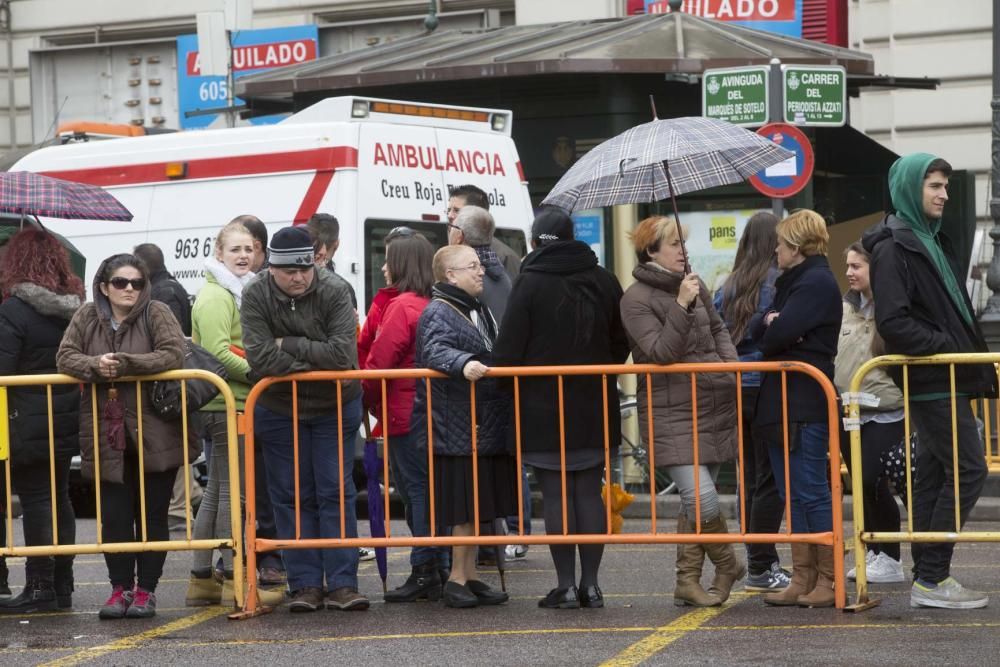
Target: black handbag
{"points": [[165, 395]]}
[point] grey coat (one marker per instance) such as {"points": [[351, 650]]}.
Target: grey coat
{"points": [[660, 331]]}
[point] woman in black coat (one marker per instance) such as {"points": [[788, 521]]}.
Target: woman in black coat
{"points": [[455, 336], [564, 310], [40, 295]]}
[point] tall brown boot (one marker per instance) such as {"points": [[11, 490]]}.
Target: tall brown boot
{"points": [[728, 566], [803, 578], [822, 595], [688, 590]]}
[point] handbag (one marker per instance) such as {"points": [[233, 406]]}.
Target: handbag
{"points": [[165, 395]]}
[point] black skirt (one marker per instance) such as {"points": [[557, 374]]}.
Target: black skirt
{"points": [[453, 493]]}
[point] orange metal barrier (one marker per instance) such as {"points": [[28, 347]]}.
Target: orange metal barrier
{"points": [[100, 546], [652, 536]]}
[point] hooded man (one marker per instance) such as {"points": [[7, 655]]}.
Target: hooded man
{"points": [[922, 308]]}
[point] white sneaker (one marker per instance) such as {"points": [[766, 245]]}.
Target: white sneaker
{"points": [[516, 551], [885, 569], [366, 553], [949, 594], [852, 574]]}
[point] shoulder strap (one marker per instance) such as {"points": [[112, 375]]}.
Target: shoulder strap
{"points": [[456, 309]]}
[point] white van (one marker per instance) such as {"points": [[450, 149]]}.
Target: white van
{"points": [[374, 164]]}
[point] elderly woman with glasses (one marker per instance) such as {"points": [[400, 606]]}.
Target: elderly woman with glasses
{"points": [[125, 333], [455, 336]]}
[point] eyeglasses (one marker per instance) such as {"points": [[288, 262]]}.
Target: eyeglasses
{"points": [[121, 283], [475, 266]]}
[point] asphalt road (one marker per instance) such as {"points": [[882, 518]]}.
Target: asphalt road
{"points": [[640, 624]]}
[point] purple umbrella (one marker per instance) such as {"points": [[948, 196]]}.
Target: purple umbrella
{"points": [[376, 521], [27, 193]]}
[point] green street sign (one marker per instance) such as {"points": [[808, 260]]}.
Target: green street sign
{"points": [[737, 95], [815, 96]]}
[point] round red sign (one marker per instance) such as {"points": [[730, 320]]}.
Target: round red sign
{"points": [[787, 178]]}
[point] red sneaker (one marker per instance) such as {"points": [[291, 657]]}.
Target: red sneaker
{"points": [[117, 605], [143, 604]]}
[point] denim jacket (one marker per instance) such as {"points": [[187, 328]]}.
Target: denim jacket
{"points": [[745, 348]]}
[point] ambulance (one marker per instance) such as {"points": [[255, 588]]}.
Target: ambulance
{"points": [[375, 164]]}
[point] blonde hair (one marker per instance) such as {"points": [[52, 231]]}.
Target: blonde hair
{"points": [[805, 230], [446, 258], [234, 227], [653, 231]]}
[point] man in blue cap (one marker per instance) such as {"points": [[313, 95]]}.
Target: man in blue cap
{"points": [[922, 308]]}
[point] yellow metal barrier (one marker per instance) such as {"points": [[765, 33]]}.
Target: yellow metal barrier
{"points": [[235, 542], [833, 538], [853, 411]]}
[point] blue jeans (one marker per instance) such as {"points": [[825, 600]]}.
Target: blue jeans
{"points": [[319, 490], [408, 465], [812, 509]]}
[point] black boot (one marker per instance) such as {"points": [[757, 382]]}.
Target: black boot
{"points": [[64, 590], [36, 596], [4, 586], [423, 583]]}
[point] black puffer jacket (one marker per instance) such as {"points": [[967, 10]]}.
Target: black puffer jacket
{"points": [[915, 315], [32, 322], [446, 341], [564, 309]]}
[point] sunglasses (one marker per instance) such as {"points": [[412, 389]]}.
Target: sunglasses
{"points": [[121, 283], [403, 232]]}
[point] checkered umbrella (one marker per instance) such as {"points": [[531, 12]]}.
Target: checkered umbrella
{"points": [[26, 193], [662, 159]]}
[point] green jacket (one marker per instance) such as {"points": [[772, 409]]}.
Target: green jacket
{"points": [[318, 332], [215, 325], [854, 348]]}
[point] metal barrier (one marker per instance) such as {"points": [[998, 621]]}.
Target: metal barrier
{"points": [[652, 536], [852, 409], [235, 542]]}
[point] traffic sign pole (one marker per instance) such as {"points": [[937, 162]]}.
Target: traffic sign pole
{"points": [[775, 106]]}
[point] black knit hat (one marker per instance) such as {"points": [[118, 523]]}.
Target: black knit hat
{"points": [[552, 224], [291, 247]]}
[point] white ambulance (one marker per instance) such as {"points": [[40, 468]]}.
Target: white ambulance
{"points": [[375, 164]]}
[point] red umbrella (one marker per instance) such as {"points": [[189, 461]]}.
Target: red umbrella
{"points": [[26, 193], [114, 421]]}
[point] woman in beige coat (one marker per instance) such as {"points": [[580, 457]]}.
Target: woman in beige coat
{"points": [[669, 318]]}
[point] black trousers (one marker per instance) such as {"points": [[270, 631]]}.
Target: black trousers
{"points": [[881, 510], [762, 504], [121, 517], [933, 489], [32, 485]]}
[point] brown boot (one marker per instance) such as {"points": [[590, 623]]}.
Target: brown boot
{"points": [[822, 595], [803, 578], [728, 566], [688, 590]]}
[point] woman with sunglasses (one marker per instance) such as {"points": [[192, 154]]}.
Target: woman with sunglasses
{"points": [[124, 333]]}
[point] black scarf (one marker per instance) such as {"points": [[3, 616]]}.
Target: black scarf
{"points": [[467, 305]]}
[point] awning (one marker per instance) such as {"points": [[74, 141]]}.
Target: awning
{"points": [[672, 44]]}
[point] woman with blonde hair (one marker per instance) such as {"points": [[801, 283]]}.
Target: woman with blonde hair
{"points": [[669, 318], [216, 327], [803, 325]]}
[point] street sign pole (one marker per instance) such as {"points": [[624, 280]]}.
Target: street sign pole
{"points": [[775, 106]]}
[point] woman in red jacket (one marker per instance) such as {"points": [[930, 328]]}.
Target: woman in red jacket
{"points": [[408, 270]]}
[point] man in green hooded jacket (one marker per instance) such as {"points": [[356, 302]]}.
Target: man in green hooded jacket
{"points": [[922, 308]]}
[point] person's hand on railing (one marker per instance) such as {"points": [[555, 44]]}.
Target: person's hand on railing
{"points": [[474, 370], [108, 366]]}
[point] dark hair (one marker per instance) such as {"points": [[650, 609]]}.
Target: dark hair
{"points": [[37, 257], [115, 262], [409, 260], [473, 196], [257, 229], [324, 229], [938, 165], [860, 249], [151, 255], [754, 258]]}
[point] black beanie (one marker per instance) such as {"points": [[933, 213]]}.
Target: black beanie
{"points": [[291, 247], [552, 224]]}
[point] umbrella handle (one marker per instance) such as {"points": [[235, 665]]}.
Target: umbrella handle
{"points": [[677, 218]]}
